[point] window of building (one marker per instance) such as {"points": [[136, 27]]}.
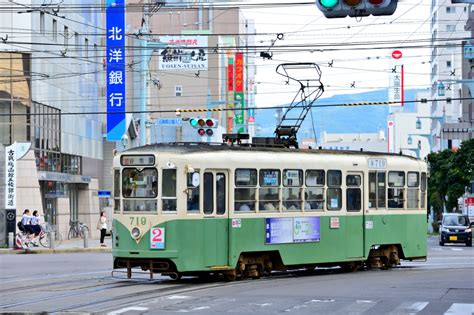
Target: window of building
{"points": [[448, 64], [86, 48], [42, 23], [413, 182], [66, 36], [178, 90], [334, 191], [450, 10], [450, 28], [208, 194], [245, 190], [353, 193], [292, 191], [77, 48], [396, 190], [168, 190], [314, 191], [55, 30], [193, 185]]}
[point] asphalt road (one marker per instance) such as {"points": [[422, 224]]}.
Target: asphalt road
{"points": [[83, 283]]}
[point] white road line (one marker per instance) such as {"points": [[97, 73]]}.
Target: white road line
{"points": [[127, 309], [460, 309], [409, 307], [359, 307], [177, 297], [458, 249]]}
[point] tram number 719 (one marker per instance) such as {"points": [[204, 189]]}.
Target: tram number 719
{"points": [[137, 221]]}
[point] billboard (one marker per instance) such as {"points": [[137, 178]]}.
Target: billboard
{"points": [[183, 53], [292, 230]]}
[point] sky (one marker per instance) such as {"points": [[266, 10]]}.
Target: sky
{"points": [[367, 69]]}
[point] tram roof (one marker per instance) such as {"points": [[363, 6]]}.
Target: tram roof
{"points": [[199, 147]]}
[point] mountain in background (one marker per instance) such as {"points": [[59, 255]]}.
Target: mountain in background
{"points": [[342, 119]]}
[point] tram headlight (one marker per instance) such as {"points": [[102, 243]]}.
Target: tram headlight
{"points": [[136, 233]]}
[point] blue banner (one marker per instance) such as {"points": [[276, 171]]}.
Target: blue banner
{"points": [[115, 60]]}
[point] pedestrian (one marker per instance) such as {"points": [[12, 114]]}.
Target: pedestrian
{"points": [[35, 223], [26, 222], [102, 226]]}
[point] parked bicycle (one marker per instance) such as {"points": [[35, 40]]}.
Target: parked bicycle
{"points": [[77, 229]]}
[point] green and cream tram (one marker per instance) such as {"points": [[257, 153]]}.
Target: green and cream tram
{"points": [[188, 209]]}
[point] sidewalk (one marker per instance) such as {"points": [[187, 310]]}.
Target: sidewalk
{"points": [[66, 246]]}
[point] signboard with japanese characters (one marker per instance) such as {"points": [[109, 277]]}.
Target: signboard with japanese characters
{"points": [[396, 79], [239, 92], [12, 153], [183, 53], [115, 61]]}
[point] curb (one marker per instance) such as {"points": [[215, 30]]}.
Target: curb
{"points": [[55, 251]]}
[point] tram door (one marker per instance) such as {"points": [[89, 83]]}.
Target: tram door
{"points": [[354, 227], [216, 234]]}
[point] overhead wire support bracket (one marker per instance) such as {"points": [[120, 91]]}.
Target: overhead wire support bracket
{"points": [[308, 76]]}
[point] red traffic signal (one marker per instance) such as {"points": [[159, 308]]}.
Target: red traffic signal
{"points": [[201, 132]]}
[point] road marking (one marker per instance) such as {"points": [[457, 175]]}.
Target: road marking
{"points": [[458, 249], [359, 307], [410, 307], [127, 309], [177, 297], [460, 309]]}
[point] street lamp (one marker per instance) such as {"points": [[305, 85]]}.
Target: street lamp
{"points": [[418, 123], [410, 140]]}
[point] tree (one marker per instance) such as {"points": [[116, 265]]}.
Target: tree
{"points": [[450, 173]]}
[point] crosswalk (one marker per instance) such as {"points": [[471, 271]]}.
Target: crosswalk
{"points": [[210, 305]]}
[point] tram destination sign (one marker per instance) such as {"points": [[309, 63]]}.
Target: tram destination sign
{"points": [[137, 160], [292, 230]]}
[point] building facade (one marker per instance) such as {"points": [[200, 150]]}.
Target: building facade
{"points": [[447, 32], [51, 76]]}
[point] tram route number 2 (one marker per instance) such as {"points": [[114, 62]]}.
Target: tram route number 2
{"points": [[157, 238]]}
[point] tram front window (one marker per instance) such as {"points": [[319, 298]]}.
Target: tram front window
{"points": [[139, 189]]}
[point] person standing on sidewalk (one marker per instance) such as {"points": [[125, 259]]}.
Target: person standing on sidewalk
{"points": [[102, 226]]}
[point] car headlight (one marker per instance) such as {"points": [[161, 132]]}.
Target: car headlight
{"points": [[136, 232], [469, 230], [443, 229]]}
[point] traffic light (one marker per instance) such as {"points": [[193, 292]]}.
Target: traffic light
{"points": [[204, 125], [356, 8]]}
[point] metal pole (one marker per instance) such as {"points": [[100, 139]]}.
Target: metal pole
{"points": [[86, 238], [11, 239], [52, 236]]}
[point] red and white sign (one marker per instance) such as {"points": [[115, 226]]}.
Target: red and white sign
{"points": [[397, 54], [334, 223], [157, 238]]}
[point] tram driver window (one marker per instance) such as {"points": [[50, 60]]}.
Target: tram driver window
{"points": [[314, 191], [168, 189], [292, 182], [269, 191], [413, 183], [245, 189], [193, 184], [396, 190], [334, 192]]}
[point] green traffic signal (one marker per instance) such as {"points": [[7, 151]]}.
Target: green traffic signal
{"points": [[329, 3], [193, 122]]}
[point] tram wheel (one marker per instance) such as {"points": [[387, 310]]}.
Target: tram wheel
{"points": [[175, 276], [230, 275]]}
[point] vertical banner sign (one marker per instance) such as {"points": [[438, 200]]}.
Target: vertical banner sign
{"points": [[13, 153], [230, 94], [396, 89], [239, 92], [115, 60], [251, 111], [10, 177]]}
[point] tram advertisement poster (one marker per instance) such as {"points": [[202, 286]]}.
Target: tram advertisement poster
{"points": [[292, 230]]}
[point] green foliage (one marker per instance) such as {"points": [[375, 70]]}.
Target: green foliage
{"points": [[450, 173]]}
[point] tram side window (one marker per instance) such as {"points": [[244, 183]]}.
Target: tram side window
{"points": [[269, 191], [117, 191], [245, 189], [208, 193], [396, 189], [334, 192], [292, 183], [314, 191], [413, 183], [423, 191], [221, 203], [193, 185], [377, 190], [353, 193], [168, 190]]}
